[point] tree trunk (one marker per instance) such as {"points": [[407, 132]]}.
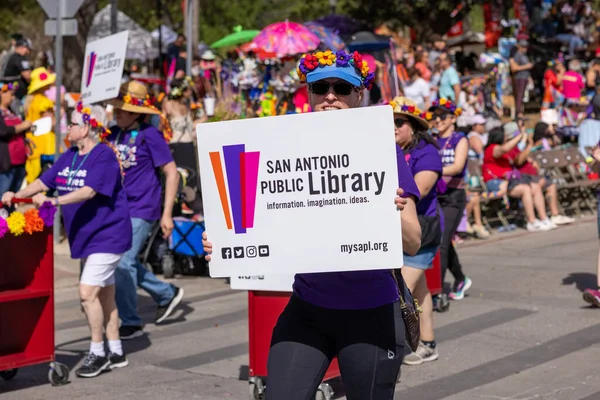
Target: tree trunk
{"points": [[74, 46]]}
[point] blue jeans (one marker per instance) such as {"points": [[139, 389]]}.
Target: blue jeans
{"points": [[11, 180], [131, 273], [573, 41]]}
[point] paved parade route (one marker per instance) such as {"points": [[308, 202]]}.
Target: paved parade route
{"points": [[523, 333]]}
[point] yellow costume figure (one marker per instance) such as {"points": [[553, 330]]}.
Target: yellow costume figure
{"points": [[37, 105]]}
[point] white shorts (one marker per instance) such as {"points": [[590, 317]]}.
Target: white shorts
{"points": [[99, 269]]}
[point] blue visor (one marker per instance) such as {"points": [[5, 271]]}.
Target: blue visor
{"points": [[349, 74]]}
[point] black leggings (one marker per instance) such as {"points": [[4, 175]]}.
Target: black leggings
{"points": [[369, 345], [453, 203]]}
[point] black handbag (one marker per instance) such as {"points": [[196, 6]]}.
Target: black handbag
{"points": [[431, 229], [409, 307]]}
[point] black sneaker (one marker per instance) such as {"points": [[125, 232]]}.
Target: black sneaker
{"points": [[117, 361], [163, 312], [130, 332], [93, 366]]}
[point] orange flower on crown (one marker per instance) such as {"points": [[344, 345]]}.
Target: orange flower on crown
{"points": [[443, 102]]}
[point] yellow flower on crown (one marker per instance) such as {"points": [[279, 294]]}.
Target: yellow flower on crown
{"points": [[326, 57], [393, 104], [365, 68], [458, 112], [428, 115], [442, 102], [127, 99], [86, 110]]}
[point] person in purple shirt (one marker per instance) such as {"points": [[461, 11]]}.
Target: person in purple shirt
{"points": [[88, 178], [422, 154], [144, 152], [354, 316], [454, 151]]}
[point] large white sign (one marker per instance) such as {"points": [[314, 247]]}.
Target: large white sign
{"points": [[103, 68], [268, 283], [301, 193]]}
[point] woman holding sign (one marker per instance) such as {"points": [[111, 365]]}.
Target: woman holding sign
{"points": [[96, 216], [354, 316], [421, 152]]}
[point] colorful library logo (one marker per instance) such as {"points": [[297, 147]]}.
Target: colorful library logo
{"points": [[90, 63], [237, 184]]}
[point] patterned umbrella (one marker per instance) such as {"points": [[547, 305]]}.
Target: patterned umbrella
{"points": [[328, 37], [286, 39]]}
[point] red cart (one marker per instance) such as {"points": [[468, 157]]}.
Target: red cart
{"points": [[264, 308], [435, 284], [27, 305], [434, 276]]}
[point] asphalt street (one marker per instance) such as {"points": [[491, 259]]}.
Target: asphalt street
{"points": [[523, 333]]}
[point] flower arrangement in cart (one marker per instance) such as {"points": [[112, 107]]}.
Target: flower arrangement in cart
{"points": [[28, 222]]}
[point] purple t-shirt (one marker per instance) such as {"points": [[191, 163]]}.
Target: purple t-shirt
{"points": [[101, 224], [356, 290], [425, 157], [447, 152], [142, 152]]}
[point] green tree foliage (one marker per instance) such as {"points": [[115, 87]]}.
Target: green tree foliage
{"points": [[218, 18]]}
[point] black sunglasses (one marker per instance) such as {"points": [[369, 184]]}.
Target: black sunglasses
{"points": [[399, 122], [441, 116], [339, 88]]}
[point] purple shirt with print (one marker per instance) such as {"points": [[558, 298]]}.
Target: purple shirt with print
{"points": [[356, 290], [447, 152], [142, 153], [425, 157], [101, 224]]}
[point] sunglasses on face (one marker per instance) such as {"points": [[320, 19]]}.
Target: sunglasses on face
{"points": [[442, 117], [339, 88], [399, 122]]}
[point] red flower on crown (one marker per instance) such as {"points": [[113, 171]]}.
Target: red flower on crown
{"points": [[311, 62], [43, 76], [411, 109], [357, 59]]}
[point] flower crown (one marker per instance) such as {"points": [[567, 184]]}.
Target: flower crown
{"points": [[9, 86], [447, 104], [412, 110], [88, 118], [310, 62], [86, 115], [134, 101]]}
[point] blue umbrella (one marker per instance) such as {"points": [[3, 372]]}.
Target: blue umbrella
{"points": [[328, 37]]}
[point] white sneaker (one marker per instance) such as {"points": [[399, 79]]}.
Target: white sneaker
{"points": [[548, 223], [562, 219], [537, 226]]}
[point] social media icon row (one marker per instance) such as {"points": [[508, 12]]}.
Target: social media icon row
{"points": [[249, 252]]}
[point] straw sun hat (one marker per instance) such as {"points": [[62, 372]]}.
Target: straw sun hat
{"points": [[133, 97], [404, 106]]}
